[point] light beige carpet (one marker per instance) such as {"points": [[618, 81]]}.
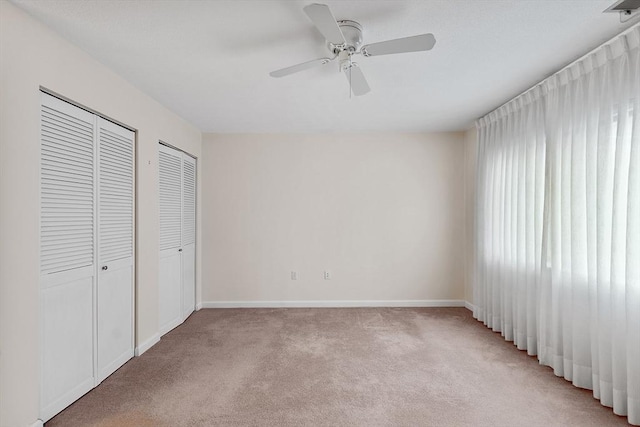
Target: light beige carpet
{"points": [[335, 367]]}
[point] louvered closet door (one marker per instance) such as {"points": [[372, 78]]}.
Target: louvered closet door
{"points": [[67, 269], [170, 274], [115, 247], [188, 235]]}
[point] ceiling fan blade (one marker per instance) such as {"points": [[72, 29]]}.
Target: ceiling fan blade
{"points": [[323, 19], [356, 79], [300, 67], [407, 44]]}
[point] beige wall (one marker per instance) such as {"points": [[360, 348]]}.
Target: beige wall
{"points": [[470, 158], [31, 56], [383, 213]]}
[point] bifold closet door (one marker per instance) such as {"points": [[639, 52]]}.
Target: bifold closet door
{"points": [[177, 172], [67, 270], [86, 222], [170, 274], [115, 247], [188, 235]]}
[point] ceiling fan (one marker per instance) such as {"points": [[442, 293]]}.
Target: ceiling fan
{"points": [[344, 40]]}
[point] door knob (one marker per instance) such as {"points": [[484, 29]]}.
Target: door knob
{"points": [[105, 268]]}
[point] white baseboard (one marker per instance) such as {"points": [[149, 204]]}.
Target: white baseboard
{"points": [[146, 345], [168, 327], [38, 423], [469, 306], [333, 303], [198, 306], [53, 408]]}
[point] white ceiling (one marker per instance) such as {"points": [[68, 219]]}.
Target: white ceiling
{"points": [[209, 61]]}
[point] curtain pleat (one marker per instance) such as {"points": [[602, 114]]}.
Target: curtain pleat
{"points": [[557, 223]]}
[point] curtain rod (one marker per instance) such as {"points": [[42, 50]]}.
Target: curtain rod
{"points": [[592, 51]]}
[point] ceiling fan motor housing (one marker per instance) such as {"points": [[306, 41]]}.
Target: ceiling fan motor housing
{"points": [[352, 32]]}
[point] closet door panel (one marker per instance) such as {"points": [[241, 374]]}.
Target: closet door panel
{"points": [[170, 171], [115, 315], [170, 192], [66, 187], [188, 280], [67, 340], [115, 247], [67, 269], [188, 234], [169, 290]]}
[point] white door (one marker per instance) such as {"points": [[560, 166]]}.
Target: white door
{"points": [[86, 222], [115, 247], [177, 172], [67, 267], [170, 274], [188, 235]]}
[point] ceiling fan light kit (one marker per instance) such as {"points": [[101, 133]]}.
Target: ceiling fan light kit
{"points": [[344, 40]]}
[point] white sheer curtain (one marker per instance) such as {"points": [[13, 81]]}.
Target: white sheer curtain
{"points": [[558, 223], [509, 212]]}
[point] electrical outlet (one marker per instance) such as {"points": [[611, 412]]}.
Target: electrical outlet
{"points": [[294, 275], [327, 275]]}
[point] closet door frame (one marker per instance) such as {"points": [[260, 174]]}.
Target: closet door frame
{"points": [[46, 414]]}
